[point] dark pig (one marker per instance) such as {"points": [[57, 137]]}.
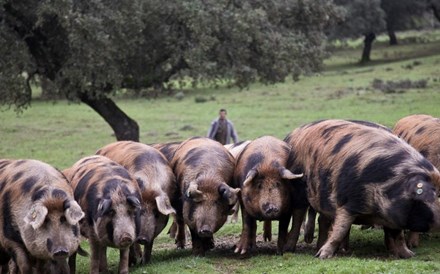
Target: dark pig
{"points": [[423, 133], [204, 170], [360, 174], [110, 198], [267, 191], [309, 227], [157, 184], [39, 217]]}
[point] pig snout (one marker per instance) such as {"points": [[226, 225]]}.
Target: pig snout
{"points": [[270, 209], [126, 240], [58, 252], [61, 253], [142, 240], [205, 231]]}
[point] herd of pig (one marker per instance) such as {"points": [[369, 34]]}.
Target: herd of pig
{"points": [[350, 172]]}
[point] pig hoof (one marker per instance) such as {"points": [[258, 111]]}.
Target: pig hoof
{"points": [[288, 248], [280, 252], [324, 254], [242, 251], [180, 245], [405, 254]]}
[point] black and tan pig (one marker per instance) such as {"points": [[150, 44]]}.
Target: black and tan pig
{"points": [[39, 216], [267, 191], [157, 184], [110, 198], [423, 133], [204, 170], [358, 174]]}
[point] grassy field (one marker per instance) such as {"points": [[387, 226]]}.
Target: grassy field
{"points": [[61, 133]]}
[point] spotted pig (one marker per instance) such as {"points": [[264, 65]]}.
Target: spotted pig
{"points": [[423, 133], [110, 198], [360, 174], [39, 216], [204, 170], [309, 227], [156, 181], [267, 190]]}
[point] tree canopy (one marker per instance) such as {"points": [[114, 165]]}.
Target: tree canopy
{"points": [[91, 48], [369, 17]]}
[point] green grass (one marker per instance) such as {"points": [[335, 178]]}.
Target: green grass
{"points": [[61, 133]]}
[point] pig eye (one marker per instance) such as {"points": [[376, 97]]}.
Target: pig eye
{"points": [[111, 212], [259, 185], [277, 184], [63, 219]]}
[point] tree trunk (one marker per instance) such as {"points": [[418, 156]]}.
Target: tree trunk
{"points": [[393, 37], [368, 42], [124, 127], [435, 10]]}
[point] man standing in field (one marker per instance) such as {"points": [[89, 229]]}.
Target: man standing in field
{"points": [[222, 129]]}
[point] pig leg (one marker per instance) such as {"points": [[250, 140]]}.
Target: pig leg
{"points": [[340, 228], [98, 261], [283, 226], [297, 220], [345, 243], [173, 230], [248, 234], [180, 237], [72, 263], [309, 229], [413, 239], [267, 230], [103, 260], [135, 253], [123, 260], [148, 247], [324, 228], [22, 261], [395, 243]]}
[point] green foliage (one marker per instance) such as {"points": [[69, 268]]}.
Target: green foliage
{"points": [[362, 17], [96, 47]]}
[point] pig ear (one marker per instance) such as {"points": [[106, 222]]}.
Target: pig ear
{"points": [[287, 174], [164, 205], [250, 176], [193, 193], [104, 206], [36, 216], [73, 213], [229, 193], [134, 201]]}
